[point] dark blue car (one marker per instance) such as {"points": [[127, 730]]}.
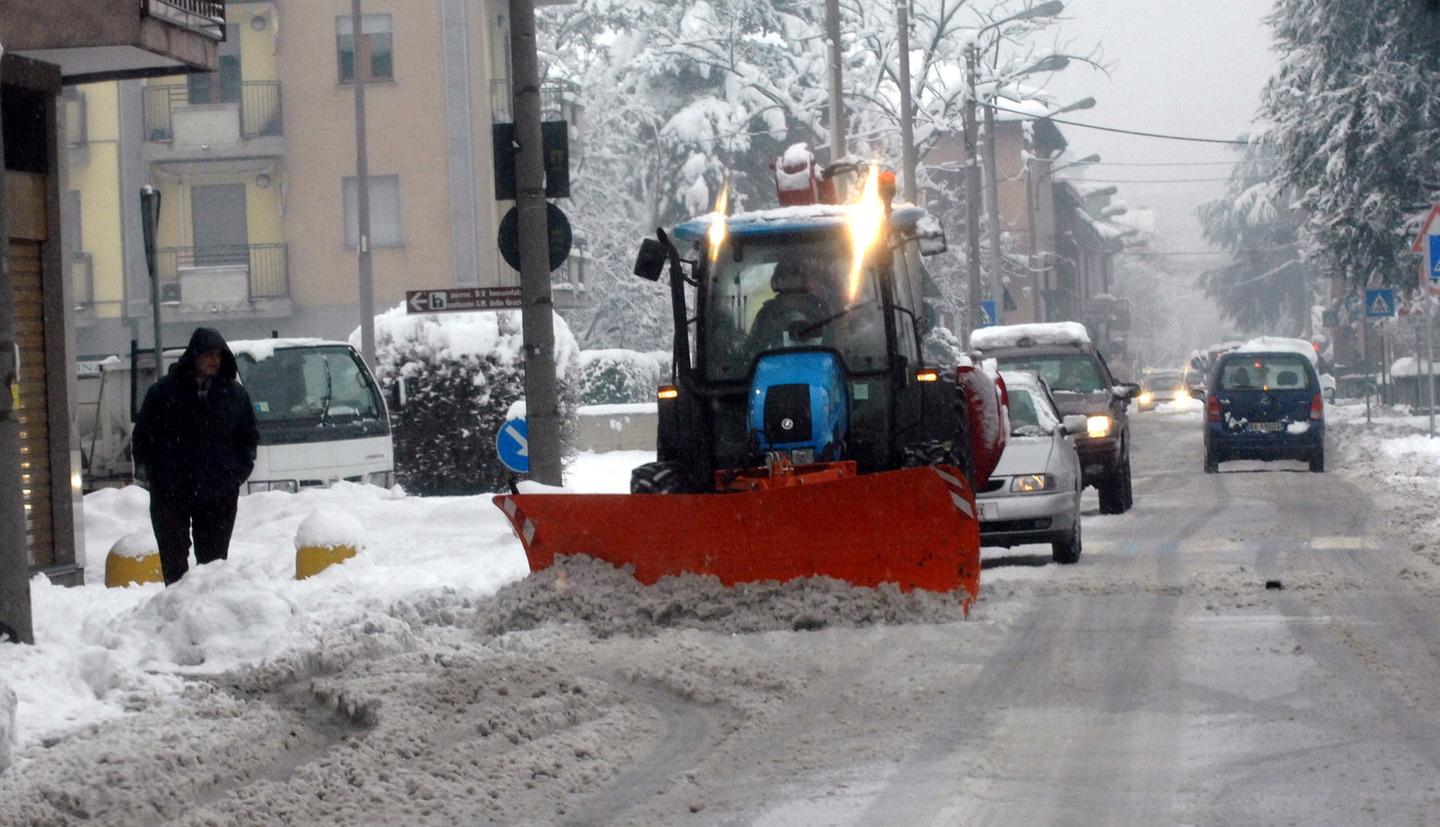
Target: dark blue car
{"points": [[1266, 406]]}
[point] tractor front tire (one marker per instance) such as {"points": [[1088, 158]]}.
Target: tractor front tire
{"points": [[658, 478]]}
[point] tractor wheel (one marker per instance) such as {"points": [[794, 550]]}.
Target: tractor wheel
{"points": [[924, 454], [658, 478]]}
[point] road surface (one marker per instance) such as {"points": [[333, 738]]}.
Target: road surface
{"points": [[1250, 647]]}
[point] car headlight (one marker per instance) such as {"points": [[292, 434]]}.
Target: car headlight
{"points": [[1145, 398], [1030, 483], [272, 485], [1098, 426], [383, 479]]}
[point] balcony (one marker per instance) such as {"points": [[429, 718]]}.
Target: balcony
{"points": [[196, 120], [205, 17], [117, 39], [244, 280]]}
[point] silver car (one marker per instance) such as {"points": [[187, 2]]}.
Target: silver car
{"points": [[1034, 494]]}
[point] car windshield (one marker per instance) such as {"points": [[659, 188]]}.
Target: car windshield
{"points": [[1161, 382], [1030, 413], [1265, 371], [773, 296], [1063, 372]]}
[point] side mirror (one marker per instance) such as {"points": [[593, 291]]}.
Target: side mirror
{"points": [[1197, 392], [931, 236], [650, 263], [1126, 390], [1073, 424]]}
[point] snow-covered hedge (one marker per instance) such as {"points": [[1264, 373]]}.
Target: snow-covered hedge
{"points": [[7, 722], [616, 376], [462, 371]]}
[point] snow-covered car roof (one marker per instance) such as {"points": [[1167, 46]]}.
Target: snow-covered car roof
{"points": [[262, 349], [809, 218], [1025, 335], [1279, 344]]}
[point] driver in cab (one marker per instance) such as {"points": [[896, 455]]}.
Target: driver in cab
{"points": [[795, 314]]}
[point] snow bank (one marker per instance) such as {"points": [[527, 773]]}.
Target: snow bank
{"points": [[136, 544], [262, 349], [1279, 344], [1417, 446], [1048, 333], [330, 528], [7, 721], [1408, 366]]}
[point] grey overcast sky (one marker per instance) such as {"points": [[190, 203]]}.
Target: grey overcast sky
{"points": [[1188, 67]]}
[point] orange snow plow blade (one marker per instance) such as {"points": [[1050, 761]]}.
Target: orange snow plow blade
{"points": [[915, 528]]}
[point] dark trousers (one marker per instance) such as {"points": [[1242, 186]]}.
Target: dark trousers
{"points": [[175, 518]]}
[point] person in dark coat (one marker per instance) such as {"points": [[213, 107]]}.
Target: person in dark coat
{"points": [[194, 442]]}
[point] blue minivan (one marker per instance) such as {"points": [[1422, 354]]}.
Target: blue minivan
{"points": [[1264, 405]]}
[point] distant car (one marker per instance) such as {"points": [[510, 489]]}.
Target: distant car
{"points": [[1033, 495], [1265, 401], [1160, 387], [1080, 383]]}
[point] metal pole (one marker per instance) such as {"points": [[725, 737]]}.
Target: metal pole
{"points": [[837, 100], [149, 226], [1430, 359], [907, 108], [362, 197], [992, 215], [542, 404], [14, 553], [972, 201]]}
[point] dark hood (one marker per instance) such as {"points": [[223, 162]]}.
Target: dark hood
{"points": [[203, 339]]}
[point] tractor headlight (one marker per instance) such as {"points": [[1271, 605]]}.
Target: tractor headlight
{"points": [[1031, 483], [1098, 426]]}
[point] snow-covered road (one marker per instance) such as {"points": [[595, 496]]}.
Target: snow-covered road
{"points": [[1257, 646]]}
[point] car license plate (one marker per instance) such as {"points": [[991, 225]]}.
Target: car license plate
{"points": [[989, 511], [1264, 427]]}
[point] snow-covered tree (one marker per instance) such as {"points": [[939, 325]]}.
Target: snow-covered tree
{"points": [[1268, 286], [1357, 127]]}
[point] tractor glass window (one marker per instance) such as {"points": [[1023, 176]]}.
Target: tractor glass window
{"points": [[788, 295], [1064, 372]]}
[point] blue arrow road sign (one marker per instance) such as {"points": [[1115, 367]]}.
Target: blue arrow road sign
{"points": [[512, 443], [987, 313], [1433, 242], [1379, 303]]}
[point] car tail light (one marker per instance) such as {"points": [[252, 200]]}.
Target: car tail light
{"points": [[1212, 408], [1317, 407]]}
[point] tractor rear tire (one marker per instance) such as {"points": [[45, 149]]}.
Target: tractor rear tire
{"points": [[925, 454], [659, 478]]}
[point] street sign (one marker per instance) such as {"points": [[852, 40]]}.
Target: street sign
{"points": [[559, 232], [554, 144], [512, 443], [1379, 303], [1330, 318], [462, 299], [1433, 243], [987, 313]]}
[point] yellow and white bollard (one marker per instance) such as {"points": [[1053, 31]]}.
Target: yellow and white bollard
{"points": [[324, 539], [135, 558]]}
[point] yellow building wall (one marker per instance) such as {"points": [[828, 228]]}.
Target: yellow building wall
{"points": [[257, 46], [264, 222], [98, 182]]}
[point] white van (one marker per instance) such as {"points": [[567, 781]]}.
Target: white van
{"points": [[320, 414]]}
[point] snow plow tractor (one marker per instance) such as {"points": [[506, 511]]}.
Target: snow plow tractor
{"points": [[802, 436]]}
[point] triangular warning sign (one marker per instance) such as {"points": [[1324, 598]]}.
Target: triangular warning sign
{"points": [[1380, 307]]}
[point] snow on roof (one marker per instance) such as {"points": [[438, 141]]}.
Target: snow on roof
{"points": [[1279, 344], [1407, 366], [1014, 335], [792, 219], [262, 349]]}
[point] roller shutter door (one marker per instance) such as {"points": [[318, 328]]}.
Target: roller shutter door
{"points": [[25, 275]]}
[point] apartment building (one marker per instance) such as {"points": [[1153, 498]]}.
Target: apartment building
{"points": [[256, 167]]}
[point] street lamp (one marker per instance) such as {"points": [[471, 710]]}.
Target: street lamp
{"points": [[1086, 161]]}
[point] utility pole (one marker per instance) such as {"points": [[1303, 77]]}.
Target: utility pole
{"points": [[14, 555], [992, 215], [972, 200], [837, 101], [149, 226], [542, 404], [907, 108], [362, 196]]}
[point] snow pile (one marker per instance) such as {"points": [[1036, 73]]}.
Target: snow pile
{"points": [[1279, 344], [262, 349], [1415, 446], [1047, 333], [330, 528], [136, 544], [7, 722]]}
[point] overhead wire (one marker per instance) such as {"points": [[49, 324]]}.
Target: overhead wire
{"points": [[1138, 132]]}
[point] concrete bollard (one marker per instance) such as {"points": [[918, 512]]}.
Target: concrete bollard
{"points": [[135, 558], [324, 539]]}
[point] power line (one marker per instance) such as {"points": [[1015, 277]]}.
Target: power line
{"points": [[1140, 133], [1159, 180], [1161, 163]]}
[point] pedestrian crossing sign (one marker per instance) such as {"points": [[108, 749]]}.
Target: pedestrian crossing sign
{"points": [[1433, 242], [1380, 303]]}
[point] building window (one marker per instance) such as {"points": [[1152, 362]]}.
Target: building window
{"points": [[373, 54], [384, 212]]}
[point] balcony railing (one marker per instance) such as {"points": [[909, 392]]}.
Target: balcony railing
{"points": [[268, 266], [558, 101], [205, 17], [259, 102]]}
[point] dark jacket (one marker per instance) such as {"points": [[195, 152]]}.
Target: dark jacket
{"points": [[191, 446]]}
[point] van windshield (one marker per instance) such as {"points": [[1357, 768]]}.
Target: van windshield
{"points": [[310, 389]]}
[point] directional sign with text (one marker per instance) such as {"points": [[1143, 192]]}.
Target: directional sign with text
{"points": [[460, 299], [512, 443], [1379, 303]]}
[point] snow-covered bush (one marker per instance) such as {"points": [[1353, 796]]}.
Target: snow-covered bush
{"points": [[462, 372], [616, 376], [7, 723], [943, 349]]}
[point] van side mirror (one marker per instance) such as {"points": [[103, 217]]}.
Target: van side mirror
{"points": [[650, 263], [1073, 424], [1126, 390]]}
